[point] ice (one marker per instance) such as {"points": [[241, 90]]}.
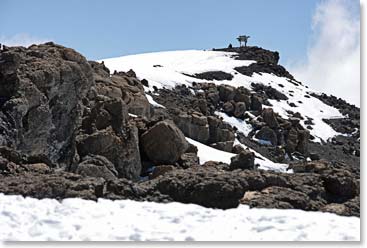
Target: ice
{"points": [[106, 220]]}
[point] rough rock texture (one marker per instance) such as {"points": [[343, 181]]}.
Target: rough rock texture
{"points": [[244, 160], [253, 53], [60, 114], [164, 143], [97, 166], [41, 88], [208, 185], [214, 75]]}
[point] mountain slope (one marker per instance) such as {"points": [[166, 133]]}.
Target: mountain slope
{"points": [[253, 68]]}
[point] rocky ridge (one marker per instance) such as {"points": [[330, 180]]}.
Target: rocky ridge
{"points": [[70, 128]]}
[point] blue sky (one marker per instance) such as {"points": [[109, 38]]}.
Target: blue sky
{"points": [[111, 28]]}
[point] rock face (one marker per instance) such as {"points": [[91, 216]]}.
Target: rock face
{"points": [[164, 143], [42, 87]]}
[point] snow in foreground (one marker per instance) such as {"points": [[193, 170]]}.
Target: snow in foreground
{"points": [[76, 219]]}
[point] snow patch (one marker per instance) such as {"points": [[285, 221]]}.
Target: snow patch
{"points": [[29, 219], [207, 153]]}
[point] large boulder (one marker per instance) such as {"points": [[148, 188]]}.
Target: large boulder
{"points": [[164, 143], [269, 118], [267, 134], [194, 126], [122, 150], [41, 88], [226, 92], [244, 160]]}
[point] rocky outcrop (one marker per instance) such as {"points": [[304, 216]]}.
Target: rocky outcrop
{"points": [[41, 88], [245, 160], [253, 53], [164, 143], [213, 185], [213, 75], [264, 67]]}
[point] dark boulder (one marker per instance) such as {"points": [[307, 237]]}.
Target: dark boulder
{"points": [[164, 143], [214, 75], [245, 160], [269, 118], [267, 134], [42, 87], [226, 92]]}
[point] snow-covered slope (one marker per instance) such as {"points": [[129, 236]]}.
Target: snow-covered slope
{"points": [[168, 69], [77, 219]]}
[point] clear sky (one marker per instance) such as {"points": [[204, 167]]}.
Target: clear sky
{"points": [[111, 28]]}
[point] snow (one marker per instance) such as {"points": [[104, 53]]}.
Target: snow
{"points": [[29, 219], [207, 153], [174, 63], [154, 103], [241, 125]]}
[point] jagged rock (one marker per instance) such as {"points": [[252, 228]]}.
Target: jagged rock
{"points": [[214, 75], [219, 131], [340, 185], [253, 53], [267, 134], [226, 92], [122, 150], [193, 126], [56, 185], [228, 108], [42, 87], [256, 103], [164, 143], [270, 92], [242, 95], [97, 166], [240, 108], [264, 67], [203, 187], [292, 140], [303, 138], [270, 118], [245, 160], [188, 159]]}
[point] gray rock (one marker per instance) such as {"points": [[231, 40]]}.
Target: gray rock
{"points": [[240, 108], [270, 118], [122, 151], [42, 86], [164, 143], [267, 134], [97, 166]]}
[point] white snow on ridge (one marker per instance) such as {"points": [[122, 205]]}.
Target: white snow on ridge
{"points": [[165, 69], [29, 219]]}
